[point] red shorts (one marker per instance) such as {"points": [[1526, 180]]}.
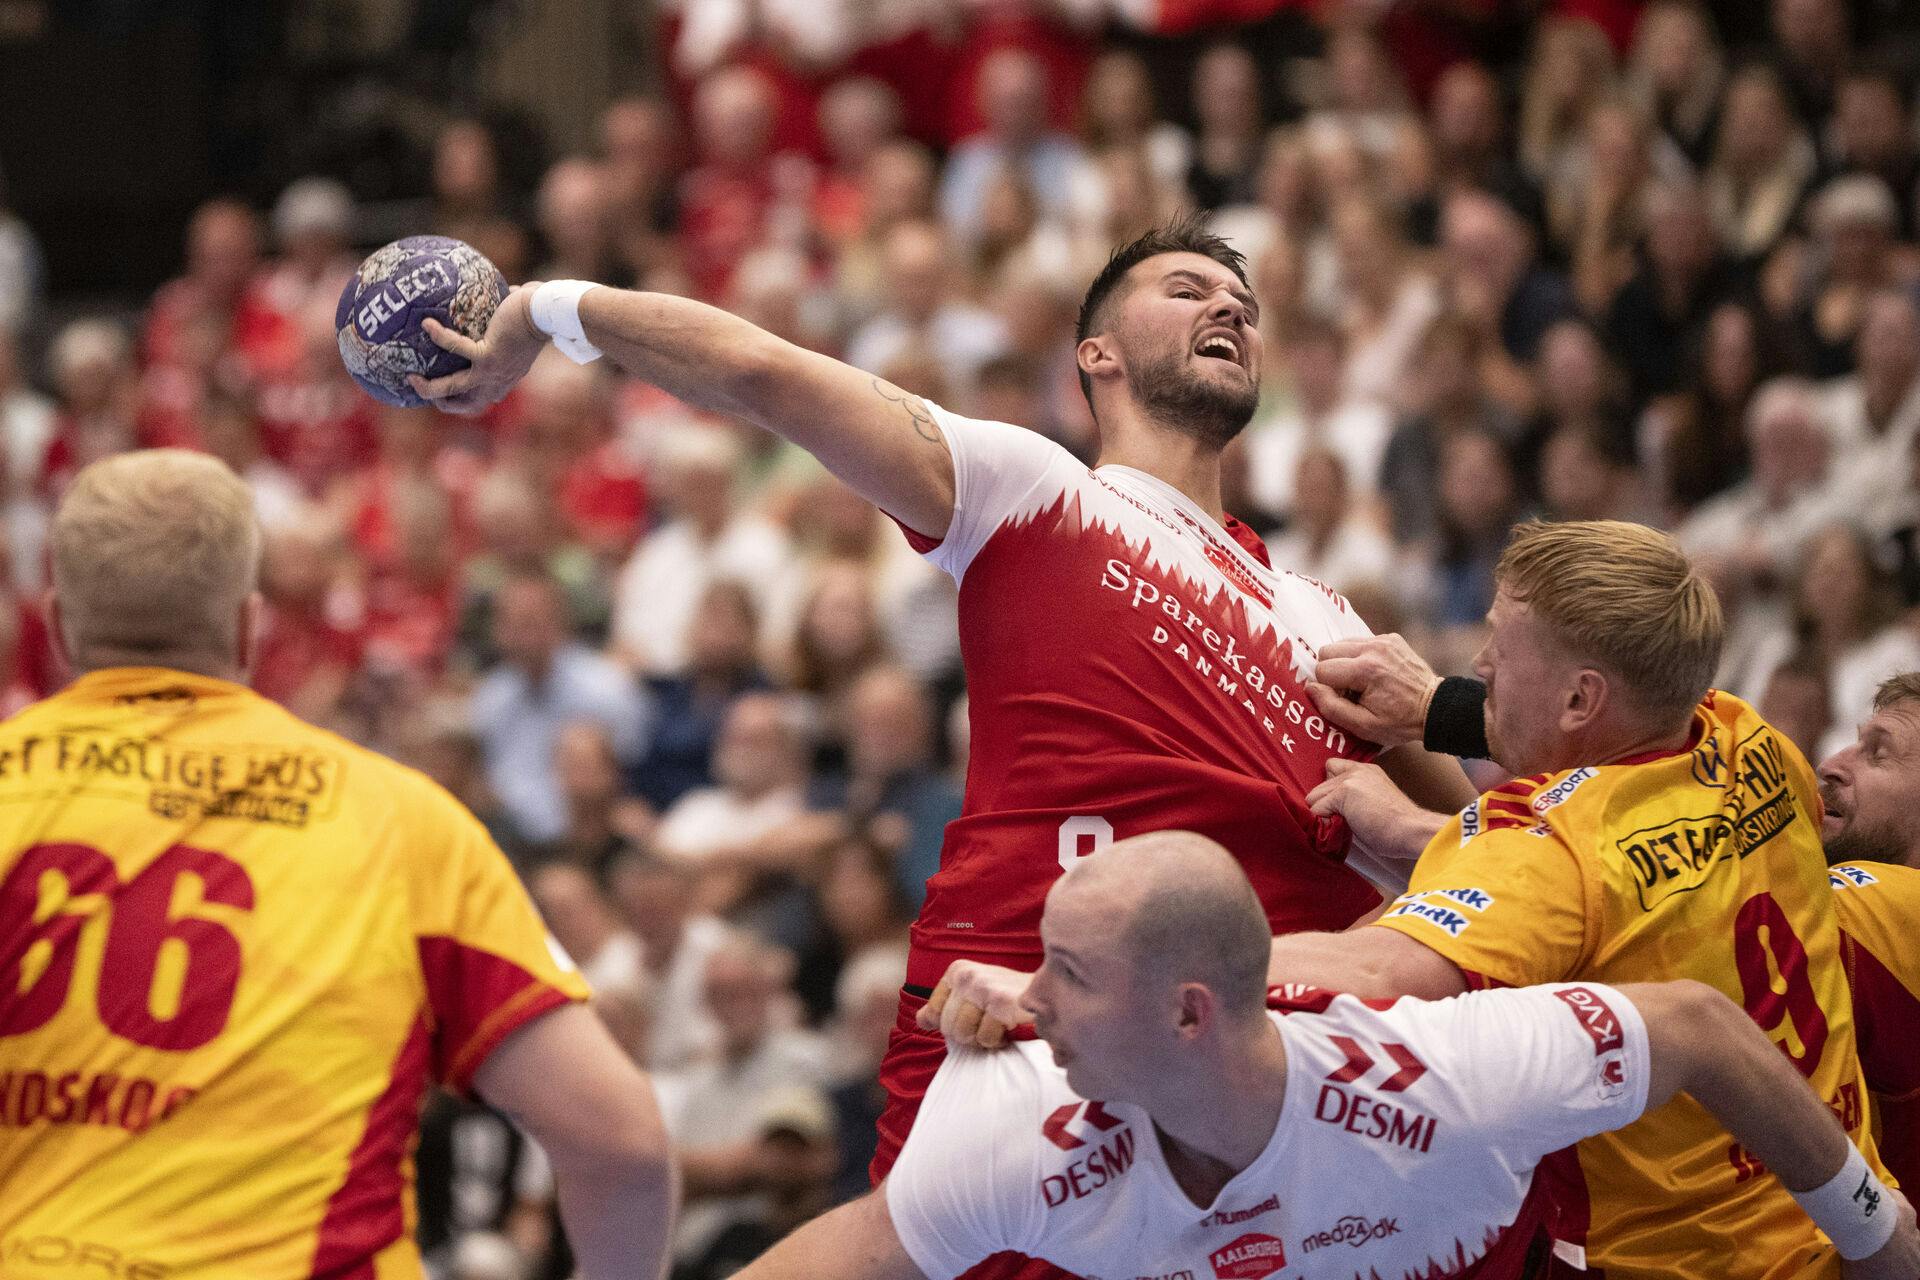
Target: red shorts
{"points": [[913, 1056]]}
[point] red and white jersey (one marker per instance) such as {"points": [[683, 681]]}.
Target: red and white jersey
{"points": [[1132, 666], [1406, 1143]]}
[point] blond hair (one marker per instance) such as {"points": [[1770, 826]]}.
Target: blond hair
{"points": [[1897, 691], [1624, 597], [154, 553]]}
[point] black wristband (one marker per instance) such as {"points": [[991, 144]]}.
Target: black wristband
{"points": [[1457, 719]]}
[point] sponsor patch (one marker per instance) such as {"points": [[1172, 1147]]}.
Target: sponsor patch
{"points": [[1438, 914], [1849, 877], [1354, 1230], [1250, 1257], [1596, 1016], [1470, 822], [1560, 791]]}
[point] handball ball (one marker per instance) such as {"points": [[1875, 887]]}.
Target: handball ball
{"points": [[398, 287]]}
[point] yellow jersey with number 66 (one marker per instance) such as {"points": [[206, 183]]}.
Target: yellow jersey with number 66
{"points": [[234, 950], [1704, 864]]}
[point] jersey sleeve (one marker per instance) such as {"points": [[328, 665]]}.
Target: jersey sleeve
{"points": [[1507, 906], [1536, 1069], [488, 962], [963, 1187], [996, 469]]}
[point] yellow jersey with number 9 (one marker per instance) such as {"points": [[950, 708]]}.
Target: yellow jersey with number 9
{"points": [[1705, 864], [234, 950]]}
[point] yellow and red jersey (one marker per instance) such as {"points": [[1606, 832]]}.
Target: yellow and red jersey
{"points": [[234, 950], [1702, 864], [1879, 907]]}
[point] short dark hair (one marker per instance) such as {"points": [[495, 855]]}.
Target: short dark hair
{"points": [[1183, 235]]}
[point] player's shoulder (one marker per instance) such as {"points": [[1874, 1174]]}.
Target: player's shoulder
{"points": [[1856, 880], [1876, 904], [991, 440], [1011, 1102]]}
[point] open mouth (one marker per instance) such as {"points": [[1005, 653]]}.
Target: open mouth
{"points": [[1219, 346]]}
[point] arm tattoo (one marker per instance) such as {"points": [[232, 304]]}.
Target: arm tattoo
{"points": [[923, 423]]}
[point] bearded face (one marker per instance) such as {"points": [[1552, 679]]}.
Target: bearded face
{"points": [[1188, 336], [1196, 402]]}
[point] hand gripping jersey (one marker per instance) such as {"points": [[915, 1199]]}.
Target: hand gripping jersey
{"points": [[234, 949], [1131, 666], [1879, 909], [1703, 864], [1407, 1139]]}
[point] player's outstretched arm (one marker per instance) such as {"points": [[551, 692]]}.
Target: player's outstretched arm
{"points": [[1701, 1043], [1374, 964], [883, 442], [567, 1084], [856, 1241]]}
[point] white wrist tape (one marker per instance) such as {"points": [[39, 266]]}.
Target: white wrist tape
{"points": [[556, 312], [1852, 1208]]}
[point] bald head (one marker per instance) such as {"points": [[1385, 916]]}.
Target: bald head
{"points": [[1179, 908], [155, 558]]}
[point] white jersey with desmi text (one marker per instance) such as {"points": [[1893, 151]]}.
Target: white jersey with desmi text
{"points": [[1406, 1144]]}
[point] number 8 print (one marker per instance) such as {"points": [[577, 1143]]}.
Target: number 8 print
{"points": [[136, 933]]}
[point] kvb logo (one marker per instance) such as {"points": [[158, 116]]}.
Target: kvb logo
{"points": [[1596, 1017], [1056, 1124]]}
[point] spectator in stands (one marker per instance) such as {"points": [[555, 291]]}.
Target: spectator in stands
{"points": [[1875, 412], [546, 681], [1796, 702], [1331, 534], [726, 197], [1123, 134], [1388, 302], [1312, 412], [705, 536], [96, 390], [309, 646], [892, 775], [866, 1005], [313, 228], [721, 667], [1584, 476], [1695, 441], [1678, 72], [743, 836], [1013, 90], [1569, 75], [1763, 161], [1480, 502], [224, 287], [1814, 40], [1846, 615], [654, 899], [1750, 537], [924, 310], [585, 924], [1871, 132], [861, 910], [838, 637], [465, 173], [717, 1123], [1228, 146], [1580, 389], [27, 427], [1657, 315], [640, 144], [858, 117], [1467, 122], [1852, 254], [1447, 398], [22, 270], [520, 534], [575, 213], [602, 819], [1494, 283], [230, 431]]}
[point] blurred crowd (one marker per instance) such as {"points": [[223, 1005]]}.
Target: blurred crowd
{"points": [[1656, 262]]}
